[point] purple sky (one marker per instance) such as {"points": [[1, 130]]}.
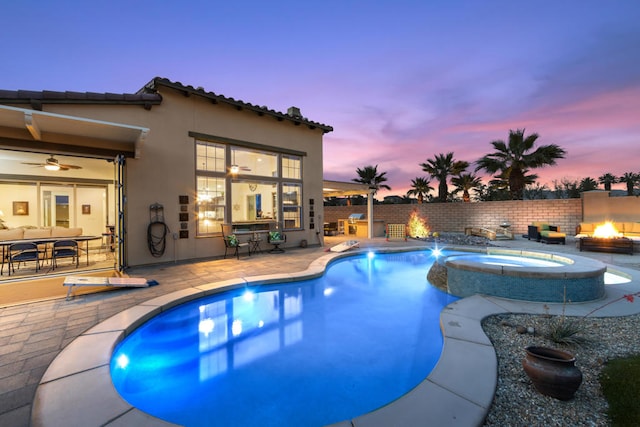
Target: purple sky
{"points": [[400, 81]]}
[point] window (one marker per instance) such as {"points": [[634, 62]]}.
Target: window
{"points": [[210, 157], [210, 205], [291, 206], [253, 201], [253, 162], [240, 183], [210, 187], [291, 167]]}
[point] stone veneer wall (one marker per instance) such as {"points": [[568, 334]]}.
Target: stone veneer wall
{"points": [[454, 217]]}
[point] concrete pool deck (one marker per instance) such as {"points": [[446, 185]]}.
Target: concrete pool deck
{"points": [[76, 388]]}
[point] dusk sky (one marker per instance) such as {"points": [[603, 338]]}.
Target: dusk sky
{"points": [[400, 81]]}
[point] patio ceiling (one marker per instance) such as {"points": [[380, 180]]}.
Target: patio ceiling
{"points": [[25, 128], [343, 189]]}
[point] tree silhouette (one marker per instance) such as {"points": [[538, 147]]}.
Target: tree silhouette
{"points": [[441, 167], [420, 188], [607, 179], [514, 159], [465, 182], [631, 180], [369, 175]]}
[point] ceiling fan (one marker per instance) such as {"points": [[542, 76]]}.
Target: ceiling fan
{"points": [[52, 164], [235, 168]]}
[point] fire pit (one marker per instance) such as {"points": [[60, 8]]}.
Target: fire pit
{"points": [[606, 238], [607, 244]]}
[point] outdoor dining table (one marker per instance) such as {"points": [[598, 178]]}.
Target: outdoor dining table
{"points": [[45, 241]]}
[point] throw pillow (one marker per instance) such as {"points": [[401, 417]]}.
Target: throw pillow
{"points": [[232, 240], [274, 235], [586, 227]]}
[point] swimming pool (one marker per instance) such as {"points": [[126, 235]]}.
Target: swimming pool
{"points": [[312, 352]]}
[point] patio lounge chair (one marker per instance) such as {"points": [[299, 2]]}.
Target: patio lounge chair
{"points": [[545, 233], [231, 241]]}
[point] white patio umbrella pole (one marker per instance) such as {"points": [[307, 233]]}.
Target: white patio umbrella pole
{"points": [[370, 213]]}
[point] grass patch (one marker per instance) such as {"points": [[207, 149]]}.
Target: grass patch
{"points": [[620, 381]]}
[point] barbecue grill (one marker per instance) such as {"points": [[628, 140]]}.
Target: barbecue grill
{"points": [[353, 220]]}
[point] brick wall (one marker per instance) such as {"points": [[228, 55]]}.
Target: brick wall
{"points": [[565, 213]]}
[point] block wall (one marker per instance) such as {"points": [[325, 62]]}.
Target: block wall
{"points": [[454, 217]]}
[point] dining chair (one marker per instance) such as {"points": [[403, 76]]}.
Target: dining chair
{"points": [[64, 249], [22, 253]]}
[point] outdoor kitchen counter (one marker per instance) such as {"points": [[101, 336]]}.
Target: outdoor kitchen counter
{"points": [[378, 228]]}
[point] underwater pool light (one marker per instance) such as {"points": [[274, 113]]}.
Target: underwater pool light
{"points": [[123, 361]]}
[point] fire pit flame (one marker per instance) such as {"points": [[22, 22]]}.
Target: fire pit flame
{"points": [[606, 231], [417, 226]]}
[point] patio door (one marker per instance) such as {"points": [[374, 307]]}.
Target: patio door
{"points": [[57, 202]]}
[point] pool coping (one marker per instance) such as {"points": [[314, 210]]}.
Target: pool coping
{"points": [[77, 385]]}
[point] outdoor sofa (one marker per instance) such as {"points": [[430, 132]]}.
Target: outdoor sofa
{"points": [[629, 230], [29, 233]]}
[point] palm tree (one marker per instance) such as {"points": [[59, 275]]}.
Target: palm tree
{"points": [[420, 188], [465, 182], [514, 159], [588, 184], [630, 179], [440, 168], [607, 179], [369, 175]]}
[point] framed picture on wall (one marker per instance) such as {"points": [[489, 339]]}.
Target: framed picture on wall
{"points": [[86, 209], [21, 208]]}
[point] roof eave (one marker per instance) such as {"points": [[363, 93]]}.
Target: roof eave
{"points": [[152, 87]]}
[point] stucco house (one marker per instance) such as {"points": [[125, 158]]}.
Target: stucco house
{"points": [[163, 168]]}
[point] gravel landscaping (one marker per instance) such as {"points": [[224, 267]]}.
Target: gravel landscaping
{"points": [[517, 403]]}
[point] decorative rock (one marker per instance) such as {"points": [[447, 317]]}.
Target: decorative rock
{"points": [[437, 276], [531, 330], [521, 329]]}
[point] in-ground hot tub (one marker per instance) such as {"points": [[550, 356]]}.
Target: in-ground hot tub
{"points": [[524, 275]]}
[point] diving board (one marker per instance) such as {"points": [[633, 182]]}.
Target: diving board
{"points": [[114, 282]]}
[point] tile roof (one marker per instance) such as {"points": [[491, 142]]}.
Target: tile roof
{"points": [[293, 114], [37, 98], [147, 97]]}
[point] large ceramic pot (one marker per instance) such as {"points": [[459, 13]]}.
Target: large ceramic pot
{"points": [[553, 372]]}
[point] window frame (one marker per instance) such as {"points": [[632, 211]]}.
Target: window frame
{"points": [[289, 171]]}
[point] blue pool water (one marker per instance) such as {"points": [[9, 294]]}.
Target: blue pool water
{"points": [[507, 260], [305, 353]]}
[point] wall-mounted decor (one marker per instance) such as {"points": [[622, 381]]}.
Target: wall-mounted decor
{"points": [[184, 208], [184, 200], [184, 216], [21, 208], [86, 209]]}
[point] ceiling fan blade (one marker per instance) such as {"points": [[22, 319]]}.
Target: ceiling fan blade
{"points": [[33, 164], [67, 167]]}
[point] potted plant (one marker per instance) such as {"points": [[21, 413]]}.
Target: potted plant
{"points": [[553, 372]]}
